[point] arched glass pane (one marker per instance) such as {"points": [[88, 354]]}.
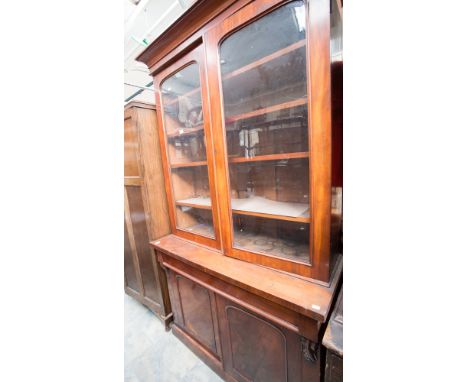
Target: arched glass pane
{"points": [[185, 135], [264, 84]]}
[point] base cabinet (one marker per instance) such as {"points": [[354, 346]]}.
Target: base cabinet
{"points": [[241, 336]]}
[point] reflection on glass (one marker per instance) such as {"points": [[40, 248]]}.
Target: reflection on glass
{"points": [[183, 116], [185, 134], [265, 116], [265, 88], [272, 237]]}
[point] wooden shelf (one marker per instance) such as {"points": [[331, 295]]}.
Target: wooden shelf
{"points": [[186, 131], [299, 219], [271, 209], [189, 164], [270, 157], [265, 59], [205, 203], [265, 110], [191, 92], [275, 122]]}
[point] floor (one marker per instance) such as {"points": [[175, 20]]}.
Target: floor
{"points": [[154, 355]]}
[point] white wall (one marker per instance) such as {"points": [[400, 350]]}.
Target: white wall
{"points": [[147, 20]]}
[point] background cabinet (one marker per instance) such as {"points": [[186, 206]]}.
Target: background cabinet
{"points": [[145, 210], [333, 343]]}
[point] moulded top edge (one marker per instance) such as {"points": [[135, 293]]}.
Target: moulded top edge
{"points": [[305, 297]]}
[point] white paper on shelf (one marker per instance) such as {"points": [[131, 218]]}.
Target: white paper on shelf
{"points": [[205, 202], [271, 207], [258, 204]]}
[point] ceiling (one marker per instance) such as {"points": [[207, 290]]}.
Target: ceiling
{"points": [[144, 21]]}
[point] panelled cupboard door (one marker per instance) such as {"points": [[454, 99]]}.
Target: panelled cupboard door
{"points": [[141, 274], [131, 168], [260, 113], [185, 134], [195, 312], [149, 277], [131, 280], [255, 349]]}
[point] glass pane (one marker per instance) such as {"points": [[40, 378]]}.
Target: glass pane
{"points": [[265, 115], [185, 134], [272, 237], [265, 87], [183, 116]]}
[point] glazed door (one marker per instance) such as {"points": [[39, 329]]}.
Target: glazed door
{"points": [[185, 133], [259, 60]]}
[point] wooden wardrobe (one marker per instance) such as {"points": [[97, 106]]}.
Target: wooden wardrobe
{"points": [[249, 108], [146, 214]]}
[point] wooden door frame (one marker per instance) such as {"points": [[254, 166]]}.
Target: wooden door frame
{"points": [[194, 56], [319, 121], [320, 138]]}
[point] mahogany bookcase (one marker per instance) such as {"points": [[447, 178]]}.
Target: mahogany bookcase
{"points": [[249, 107]]}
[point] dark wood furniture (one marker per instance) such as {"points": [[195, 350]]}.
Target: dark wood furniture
{"points": [[249, 106], [333, 342], [146, 216]]}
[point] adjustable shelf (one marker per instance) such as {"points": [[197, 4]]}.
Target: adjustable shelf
{"points": [[266, 59], [189, 164], [275, 122], [271, 209], [266, 110], [173, 101], [270, 157], [259, 207], [299, 219], [203, 203], [185, 131]]}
